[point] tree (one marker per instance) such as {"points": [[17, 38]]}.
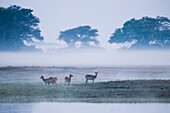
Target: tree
{"points": [[18, 29], [80, 37], [147, 32]]}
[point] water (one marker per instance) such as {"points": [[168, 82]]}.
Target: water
{"points": [[84, 108]]}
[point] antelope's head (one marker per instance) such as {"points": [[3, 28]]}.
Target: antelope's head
{"points": [[70, 75], [96, 73], [42, 77]]}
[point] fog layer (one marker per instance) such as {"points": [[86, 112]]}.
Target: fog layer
{"points": [[85, 58]]}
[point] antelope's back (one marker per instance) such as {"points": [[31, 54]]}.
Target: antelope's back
{"points": [[90, 77]]}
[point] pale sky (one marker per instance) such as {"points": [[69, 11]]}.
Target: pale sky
{"points": [[105, 15]]}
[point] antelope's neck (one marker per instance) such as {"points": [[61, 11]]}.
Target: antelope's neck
{"points": [[43, 79]]}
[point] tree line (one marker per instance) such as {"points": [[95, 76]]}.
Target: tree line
{"points": [[19, 28]]}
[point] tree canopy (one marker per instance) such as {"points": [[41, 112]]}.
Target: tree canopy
{"points": [[18, 29], [147, 32], [80, 37]]}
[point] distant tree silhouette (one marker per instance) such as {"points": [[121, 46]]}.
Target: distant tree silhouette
{"points": [[147, 32], [17, 27], [80, 37]]}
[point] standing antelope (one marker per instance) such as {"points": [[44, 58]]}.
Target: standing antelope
{"points": [[68, 79], [91, 77], [52, 80]]}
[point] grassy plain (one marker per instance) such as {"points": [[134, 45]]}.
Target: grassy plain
{"points": [[127, 91]]}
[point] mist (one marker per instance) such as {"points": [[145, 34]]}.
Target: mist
{"points": [[86, 58]]}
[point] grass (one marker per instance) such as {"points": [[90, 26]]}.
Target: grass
{"points": [[134, 91]]}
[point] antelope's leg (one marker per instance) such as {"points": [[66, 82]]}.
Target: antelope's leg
{"points": [[86, 81]]}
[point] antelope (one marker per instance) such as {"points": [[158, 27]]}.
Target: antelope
{"points": [[47, 81], [68, 79], [91, 77]]}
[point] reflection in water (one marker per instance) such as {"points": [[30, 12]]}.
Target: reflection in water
{"points": [[84, 108]]}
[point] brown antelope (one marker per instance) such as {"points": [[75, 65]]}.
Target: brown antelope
{"points": [[52, 80], [68, 79], [91, 77]]}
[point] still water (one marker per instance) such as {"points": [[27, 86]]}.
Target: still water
{"points": [[84, 108]]}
